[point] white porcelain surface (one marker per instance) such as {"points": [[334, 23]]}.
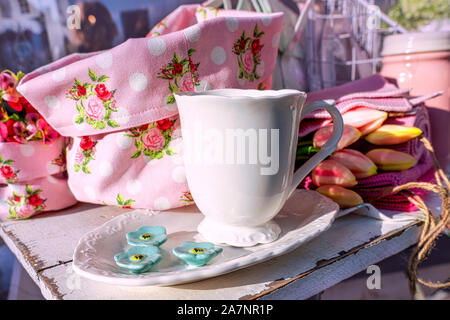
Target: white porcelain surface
{"points": [[242, 194], [304, 216]]}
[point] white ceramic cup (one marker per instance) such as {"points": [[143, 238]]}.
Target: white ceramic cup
{"points": [[239, 152]]}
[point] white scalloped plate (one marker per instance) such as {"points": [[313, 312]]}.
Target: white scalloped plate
{"points": [[305, 216]]}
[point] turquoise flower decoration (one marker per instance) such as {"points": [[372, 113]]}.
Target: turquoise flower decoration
{"points": [[138, 259], [196, 253], [147, 236]]}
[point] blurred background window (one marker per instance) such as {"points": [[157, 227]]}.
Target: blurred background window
{"points": [[35, 32]]}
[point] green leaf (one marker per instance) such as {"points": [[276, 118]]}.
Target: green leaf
{"points": [[103, 78], [170, 99], [136, 154], [255, 31], [172, 88], [108, 114], [1, 159], [148, 153], [92, 75], [90, 121], [190, 52], [159, 155], [79, 119], [120, 199], [129, 202], [99, 125], [76, 167], [77, 82], [28, 189], [113, 124], [19, 76], [170, 152], [15, 117], [8, 162], [86, 169], [176, 58], [12, 213]]}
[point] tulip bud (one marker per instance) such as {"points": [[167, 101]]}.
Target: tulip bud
{"points": [[345, 198], [372, 126], [390, 134], [332, 172], [364, 119], [349, 136], [391, 160], [357, 162]]}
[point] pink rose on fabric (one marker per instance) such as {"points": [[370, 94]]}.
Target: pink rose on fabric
{"points": [[79, 156], [247, 61], [94, 108], [186, 83], [25, 210], [154, 140]]}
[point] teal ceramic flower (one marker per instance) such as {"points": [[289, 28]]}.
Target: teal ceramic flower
{"points": [[147, 236], [138, 259], [196, 253]]}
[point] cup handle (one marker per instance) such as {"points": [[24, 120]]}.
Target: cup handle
{"points": [[329, 147]]}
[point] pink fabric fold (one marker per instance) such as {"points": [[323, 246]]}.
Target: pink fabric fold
{"points": [[28, 198], [372, 92], [33, 179], [133, 84]]}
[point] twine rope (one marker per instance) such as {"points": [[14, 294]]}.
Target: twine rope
{"points": [[433, 226]]}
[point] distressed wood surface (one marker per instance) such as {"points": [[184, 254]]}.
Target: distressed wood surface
{"points": [[44, 245]]}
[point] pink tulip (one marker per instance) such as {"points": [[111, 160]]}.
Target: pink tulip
{"points": [[349, 136], [391, 160], [364, 119], [345, 198], [357, 162], [332, 172]]}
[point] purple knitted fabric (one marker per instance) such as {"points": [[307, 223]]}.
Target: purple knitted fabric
{"points": [[401, 203]]}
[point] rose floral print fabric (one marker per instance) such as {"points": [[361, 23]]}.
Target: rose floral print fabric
{"points": [[119, 173], [248, 51], [119, 106], [94, 102]]}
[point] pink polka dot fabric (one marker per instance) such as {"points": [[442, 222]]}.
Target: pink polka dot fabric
{"points": [[118, 105], [33, 179]]}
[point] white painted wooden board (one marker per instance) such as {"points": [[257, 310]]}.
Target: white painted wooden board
{"points": [[44, 245]]}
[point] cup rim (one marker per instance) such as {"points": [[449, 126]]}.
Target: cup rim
{"points": [[241, 94]]}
